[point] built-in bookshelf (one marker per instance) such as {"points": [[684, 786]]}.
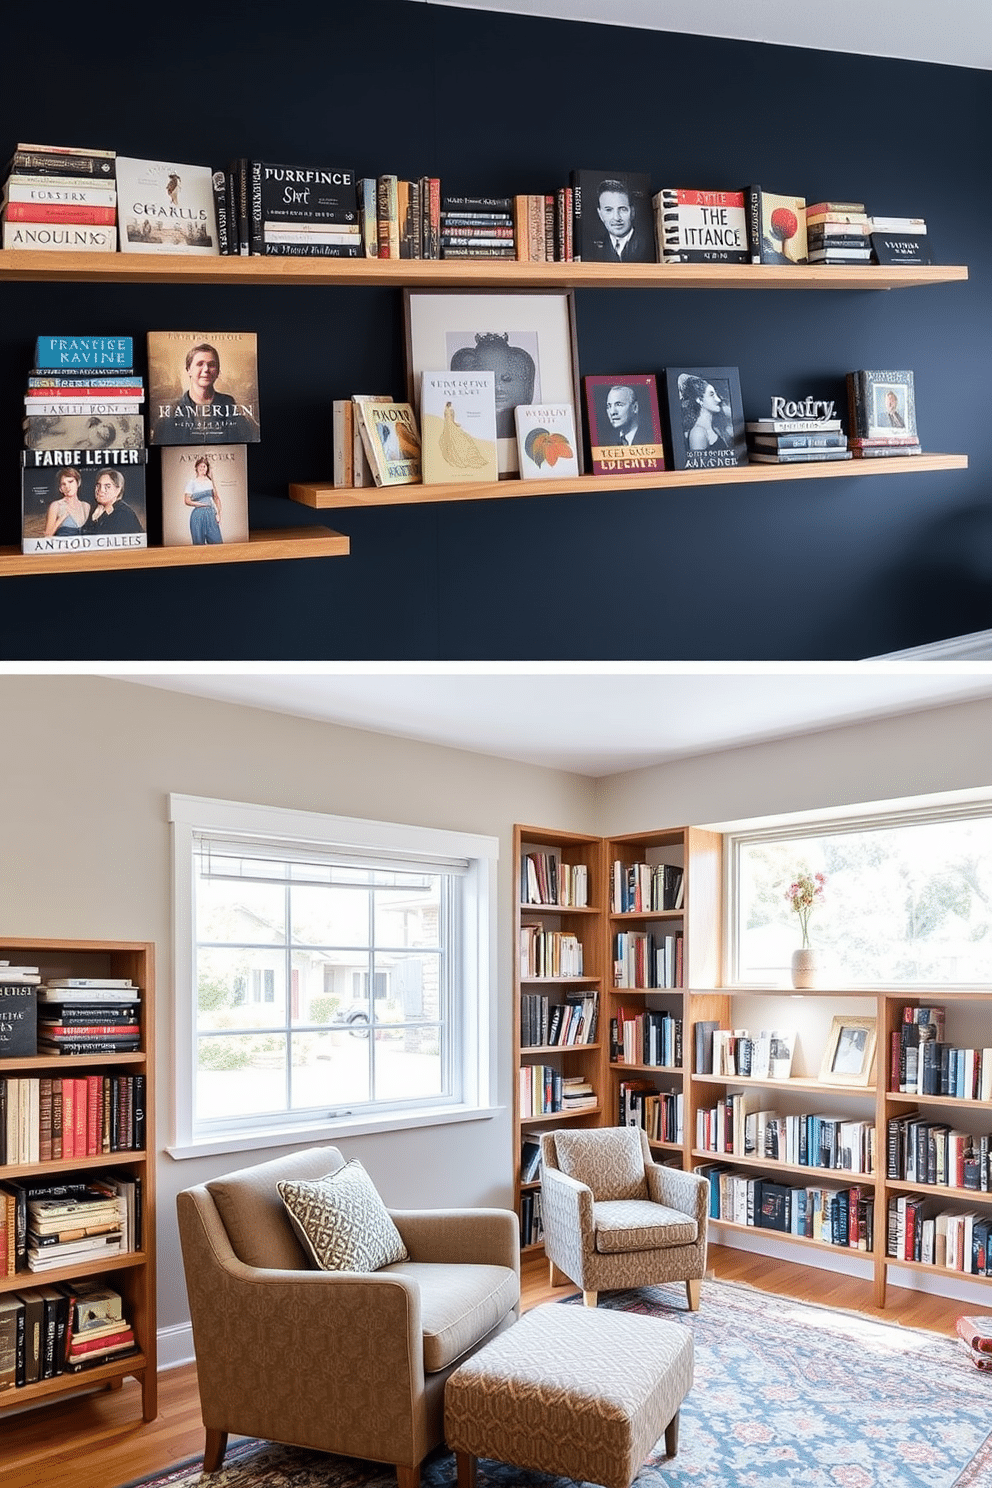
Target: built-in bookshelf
{"points": [[131, 1273]]}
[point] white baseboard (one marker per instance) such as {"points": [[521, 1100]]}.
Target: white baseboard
{"points": [[175, 1346], [974, 647]]}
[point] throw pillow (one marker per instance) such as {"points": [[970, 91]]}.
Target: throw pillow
{"points": [[342, 1221], [610, 1161]]}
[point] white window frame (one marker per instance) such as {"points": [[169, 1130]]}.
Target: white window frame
{"points": [[475, 1012], [942, 806]]}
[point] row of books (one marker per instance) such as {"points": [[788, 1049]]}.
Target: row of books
{"points": [[922, 1062], [49, 1224], [922, 1149], [531, 1217], [544, 1090], [660, 1112], [642, 958], [843, 1217], [767, 1055], [547, 879], [47, 1118], [62, 1013], [95, 200], [806, 1139], [549, 953], [636, 888], [948, 1241], [65, 1328], [544, 1023], [646, 1036]]}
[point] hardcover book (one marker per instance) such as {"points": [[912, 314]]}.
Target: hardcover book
{"points": [[706, 417], [624, 424], [299, 193], [78, 353], [84, 431], [59, 237], [204, 495], [58, 193], [458, 427], [700, 226], [881, 404], [546, 440], [612, 216], [203, 387], [391, 442], [776, 227], [164, 207], [18, 1019], [77, 501], [901, 247]]}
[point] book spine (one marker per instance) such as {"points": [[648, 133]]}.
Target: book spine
{"points": [[218, 182], [60, 212], [256, 236], [243, 205], [387, 226], [752, 217], [368, 215], [65, 193], [309, 250]]}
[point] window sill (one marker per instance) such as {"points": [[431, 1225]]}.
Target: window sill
{"points": [[358, 1126]]}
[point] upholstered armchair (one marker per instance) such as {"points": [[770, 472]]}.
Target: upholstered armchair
{"points": [[613, 1218], [349, 1362]]}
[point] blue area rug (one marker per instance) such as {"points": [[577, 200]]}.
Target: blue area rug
{"points": [[785, 1393]]}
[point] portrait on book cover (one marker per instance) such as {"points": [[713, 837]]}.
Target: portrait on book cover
{"points": [[77, 507], [526, 340], [706, 417], [892, 410], [617, 222], [624, 424], [204, 495], [203, 387]]}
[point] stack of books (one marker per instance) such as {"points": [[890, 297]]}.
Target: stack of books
{"points": [[477, 227], [84, 456], [774, 441], [87, 1015], [60, 198], [882, 414], [838, 233], [85, 1224], [99, 1332]]}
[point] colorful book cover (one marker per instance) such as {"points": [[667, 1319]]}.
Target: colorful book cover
{"points": [[776, 227], [391, 442], [546, 440], [203, 387], [700, 226], [458, 427], [705, 417], [164, 207], [80, 353], [624, 424], [204, 495], [76, 501], [613, 219]]}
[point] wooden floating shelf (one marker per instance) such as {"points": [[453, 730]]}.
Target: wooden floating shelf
{"points": [[324, 494], [172, 268], [290, 542]]}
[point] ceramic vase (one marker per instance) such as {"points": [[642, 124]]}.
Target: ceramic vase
{"points": [[804, 967]]}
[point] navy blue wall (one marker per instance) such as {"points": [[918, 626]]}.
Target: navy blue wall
{"points": [[819, 570]]}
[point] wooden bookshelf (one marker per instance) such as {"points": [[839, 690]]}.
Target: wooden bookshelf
{"points": [[131, 1273], [261, 547]]}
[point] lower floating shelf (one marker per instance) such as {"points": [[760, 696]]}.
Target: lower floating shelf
{"points": [[325, 494], [261, 547]]}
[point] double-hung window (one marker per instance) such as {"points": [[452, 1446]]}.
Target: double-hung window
{"points": [[331, 974]]}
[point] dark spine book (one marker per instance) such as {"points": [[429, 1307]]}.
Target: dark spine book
{"points": [[477, 204], [20, 1346], [240, 170], [752, 217], [219, 182], [256, 237], [310, 250]]}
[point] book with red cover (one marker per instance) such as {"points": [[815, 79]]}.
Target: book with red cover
{"points": [[624, 424], [976, 1331]]}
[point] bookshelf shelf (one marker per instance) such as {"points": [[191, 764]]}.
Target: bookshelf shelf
{"points": [[131, 1273], [262, 547], [323, 495], [167, 268]]}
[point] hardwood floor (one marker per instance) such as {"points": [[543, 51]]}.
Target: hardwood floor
{"points": [[100, 1441]]}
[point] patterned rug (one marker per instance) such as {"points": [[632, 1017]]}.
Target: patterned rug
{"points": [[785, 1393]]}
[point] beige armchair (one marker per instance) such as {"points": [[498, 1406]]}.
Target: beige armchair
{"points": [[614, 1218], [345, 1362]]}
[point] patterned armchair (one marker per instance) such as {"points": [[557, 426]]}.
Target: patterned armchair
{"points": [[349, 1362], [613, 1218]]}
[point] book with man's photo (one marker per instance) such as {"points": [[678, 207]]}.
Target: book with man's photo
{"points": [[612, 216], [203, 387], [705, 417], [204, 495], [81, 500], [165, 207], [881, 405], [624, 424]]}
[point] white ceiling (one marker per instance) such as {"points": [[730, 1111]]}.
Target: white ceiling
{"points": [[958, 32], [593, 721]]}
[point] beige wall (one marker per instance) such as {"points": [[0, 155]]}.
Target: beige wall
{"points": [[85, 852]]}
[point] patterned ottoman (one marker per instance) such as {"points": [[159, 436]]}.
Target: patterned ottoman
{"points": [[577, 1391]]}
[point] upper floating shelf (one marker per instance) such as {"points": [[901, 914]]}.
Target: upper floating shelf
{"points": [[172, 268]]}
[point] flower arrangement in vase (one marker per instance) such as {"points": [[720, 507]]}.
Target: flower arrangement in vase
{"points": [[804, 894]]}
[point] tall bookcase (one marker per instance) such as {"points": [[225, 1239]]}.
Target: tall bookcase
{"points": [[697, 997], [132, 1273]]}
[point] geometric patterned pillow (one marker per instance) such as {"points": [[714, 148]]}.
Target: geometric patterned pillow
{"points": [[342, 1221]]}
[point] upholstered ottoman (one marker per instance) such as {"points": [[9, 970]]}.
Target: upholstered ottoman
{"points": [[571, 1390]]}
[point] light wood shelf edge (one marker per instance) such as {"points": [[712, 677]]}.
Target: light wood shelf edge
{"points": [[261, 547], [169, 268], [325, 495]]}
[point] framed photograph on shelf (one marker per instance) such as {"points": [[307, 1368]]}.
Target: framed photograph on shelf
{"points": [[850, 1052], [527, 340], [705, 417]]}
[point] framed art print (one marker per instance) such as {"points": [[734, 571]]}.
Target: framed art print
{"points": [[706, 417], [526, 340]]}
